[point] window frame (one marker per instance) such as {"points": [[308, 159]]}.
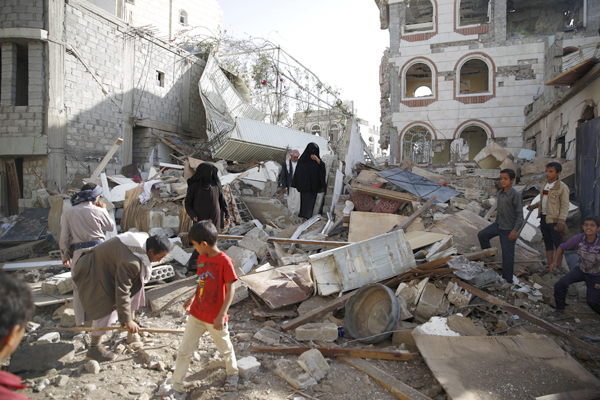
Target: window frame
{"points": [[457, 24], [433, 22], [183, 13], [424, 100], [491, 76]]}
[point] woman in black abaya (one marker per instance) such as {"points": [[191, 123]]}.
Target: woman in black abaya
{"points": [[309, 179]]}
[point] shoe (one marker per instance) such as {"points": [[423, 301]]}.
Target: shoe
{"points": [[100, 354], [558, 313]]}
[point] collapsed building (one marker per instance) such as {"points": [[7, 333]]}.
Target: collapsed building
{"points": [[458, 74]]}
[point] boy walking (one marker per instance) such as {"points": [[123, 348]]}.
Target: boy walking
{"points": [[588, 253], [509, 219], [552, 210], [208, 307]]}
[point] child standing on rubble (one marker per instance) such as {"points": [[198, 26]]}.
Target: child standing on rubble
{"points": [[208, 308], [588, 271], [552, 210], [509, 218]]}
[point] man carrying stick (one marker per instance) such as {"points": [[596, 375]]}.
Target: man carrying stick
{"points": [[111, 279]]}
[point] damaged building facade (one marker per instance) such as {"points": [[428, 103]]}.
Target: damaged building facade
{"points": [[76, 77], [459, 73]]}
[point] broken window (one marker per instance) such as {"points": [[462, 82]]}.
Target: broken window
{"points": [[472, 140], [316, 130], [22, 94], [418, 81], [160, 78], [419, 16], [334, 131], [474, 77], [530, 17], [183, 17], [474, 12], [417, 145]]}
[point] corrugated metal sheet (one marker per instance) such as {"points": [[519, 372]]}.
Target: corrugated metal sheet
{"points": [[585, 52], [275, 136]]}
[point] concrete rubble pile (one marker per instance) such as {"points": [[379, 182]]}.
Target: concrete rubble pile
{"points": [[383, 246]]}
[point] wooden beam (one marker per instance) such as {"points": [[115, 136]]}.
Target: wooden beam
{"points": [[106, 159], [114, 328], [415, 215], [339, 352], [396, 387], [293, 241], [383, 193], [478, 255], [317, 312], [431, 265], [527, 316], [585, 394]]}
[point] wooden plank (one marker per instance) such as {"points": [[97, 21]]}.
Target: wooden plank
{"points": [[293, 241], [526, 315], [585, 394], [418, 239], [428, 266], [397, 388], [383, 193], [416, 214], [106, 159], [317, 312], [367, 225], [339, 352], [114, 328], [478, 255], [32, 263]]}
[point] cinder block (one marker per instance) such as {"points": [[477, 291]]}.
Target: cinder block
{"points": [[67, 318], [313, 362], [248, 367], [162, 272], [404, 335], [317, 331], [294, 375], [430, 301], [58, 284]]}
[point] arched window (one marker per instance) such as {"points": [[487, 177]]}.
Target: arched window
{"points": [[183, 17], [473, 12], [316, 130], [472, 140], [474, 77], [418, 81], [417, 145], [420, 16], [334, 131]]}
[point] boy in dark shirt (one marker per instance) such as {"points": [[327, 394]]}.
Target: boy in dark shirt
{"points": [[208, 307], [509, 218], [16, 307], [588, 253]]}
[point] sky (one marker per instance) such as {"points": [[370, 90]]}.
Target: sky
{"points": [[339, 40]]}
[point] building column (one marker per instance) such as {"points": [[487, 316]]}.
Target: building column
{"points": [[127, 104], [9, 74], [499, 21], [55, 84]]}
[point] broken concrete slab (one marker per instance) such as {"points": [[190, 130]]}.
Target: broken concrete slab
{"points": [[494, 156], [259, 247], [267, 336], [457, 295], [313, 362], [465, 326], [58, 284], [248, 367], [243, 259], [180, 255], [325, 331], [268, 210], [431, 300], [367, 225], [46, 356], [294, 375]]}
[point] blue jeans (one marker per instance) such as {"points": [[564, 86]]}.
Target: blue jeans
{"points": [[507, 246], [576, 275]]}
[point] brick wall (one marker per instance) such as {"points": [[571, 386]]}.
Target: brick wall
{"points": [[22, 14]]}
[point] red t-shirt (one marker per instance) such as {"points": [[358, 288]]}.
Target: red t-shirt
{"points": [[214, 273], [8, 384]]}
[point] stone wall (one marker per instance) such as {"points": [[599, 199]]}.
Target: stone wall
{"points": [[22, 14]]}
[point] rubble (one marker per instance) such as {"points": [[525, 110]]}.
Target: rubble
{"points": [[248, 367], [317, 331], [314, 363]]}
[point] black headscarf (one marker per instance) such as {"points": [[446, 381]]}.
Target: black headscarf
{"points": [[310, 174], [206, 176]]}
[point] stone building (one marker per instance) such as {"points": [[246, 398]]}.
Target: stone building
{"points": [[76, 77], [459, 73]]}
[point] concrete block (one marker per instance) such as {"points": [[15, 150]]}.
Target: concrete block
{"points": [[241, 292], [243, 259], [58, 284], [149, 356], [180, 255], [259, 247], [430, 301], [405, 335], [457, 295], [459, 202], [313, 362], [162, 272], [267, 336], [294, 375], [248, 367], [473, 194], [474, 207], [437, 217], [67, 318], [317, 331], [257, 234]]}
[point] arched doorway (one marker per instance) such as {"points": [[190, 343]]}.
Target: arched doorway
{"points": [[472, 139], [417, 145]]}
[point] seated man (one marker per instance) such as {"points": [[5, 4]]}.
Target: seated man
{"points": [[111, 279], [16, 307]]}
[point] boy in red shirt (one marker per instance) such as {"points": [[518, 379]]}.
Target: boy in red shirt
{"points": [[16, 307], [208, 307]]}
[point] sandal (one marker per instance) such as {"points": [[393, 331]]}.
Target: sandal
{"points": [[231, 383]]}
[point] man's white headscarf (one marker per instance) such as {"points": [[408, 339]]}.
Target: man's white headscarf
{"points": [[136, 242]]}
